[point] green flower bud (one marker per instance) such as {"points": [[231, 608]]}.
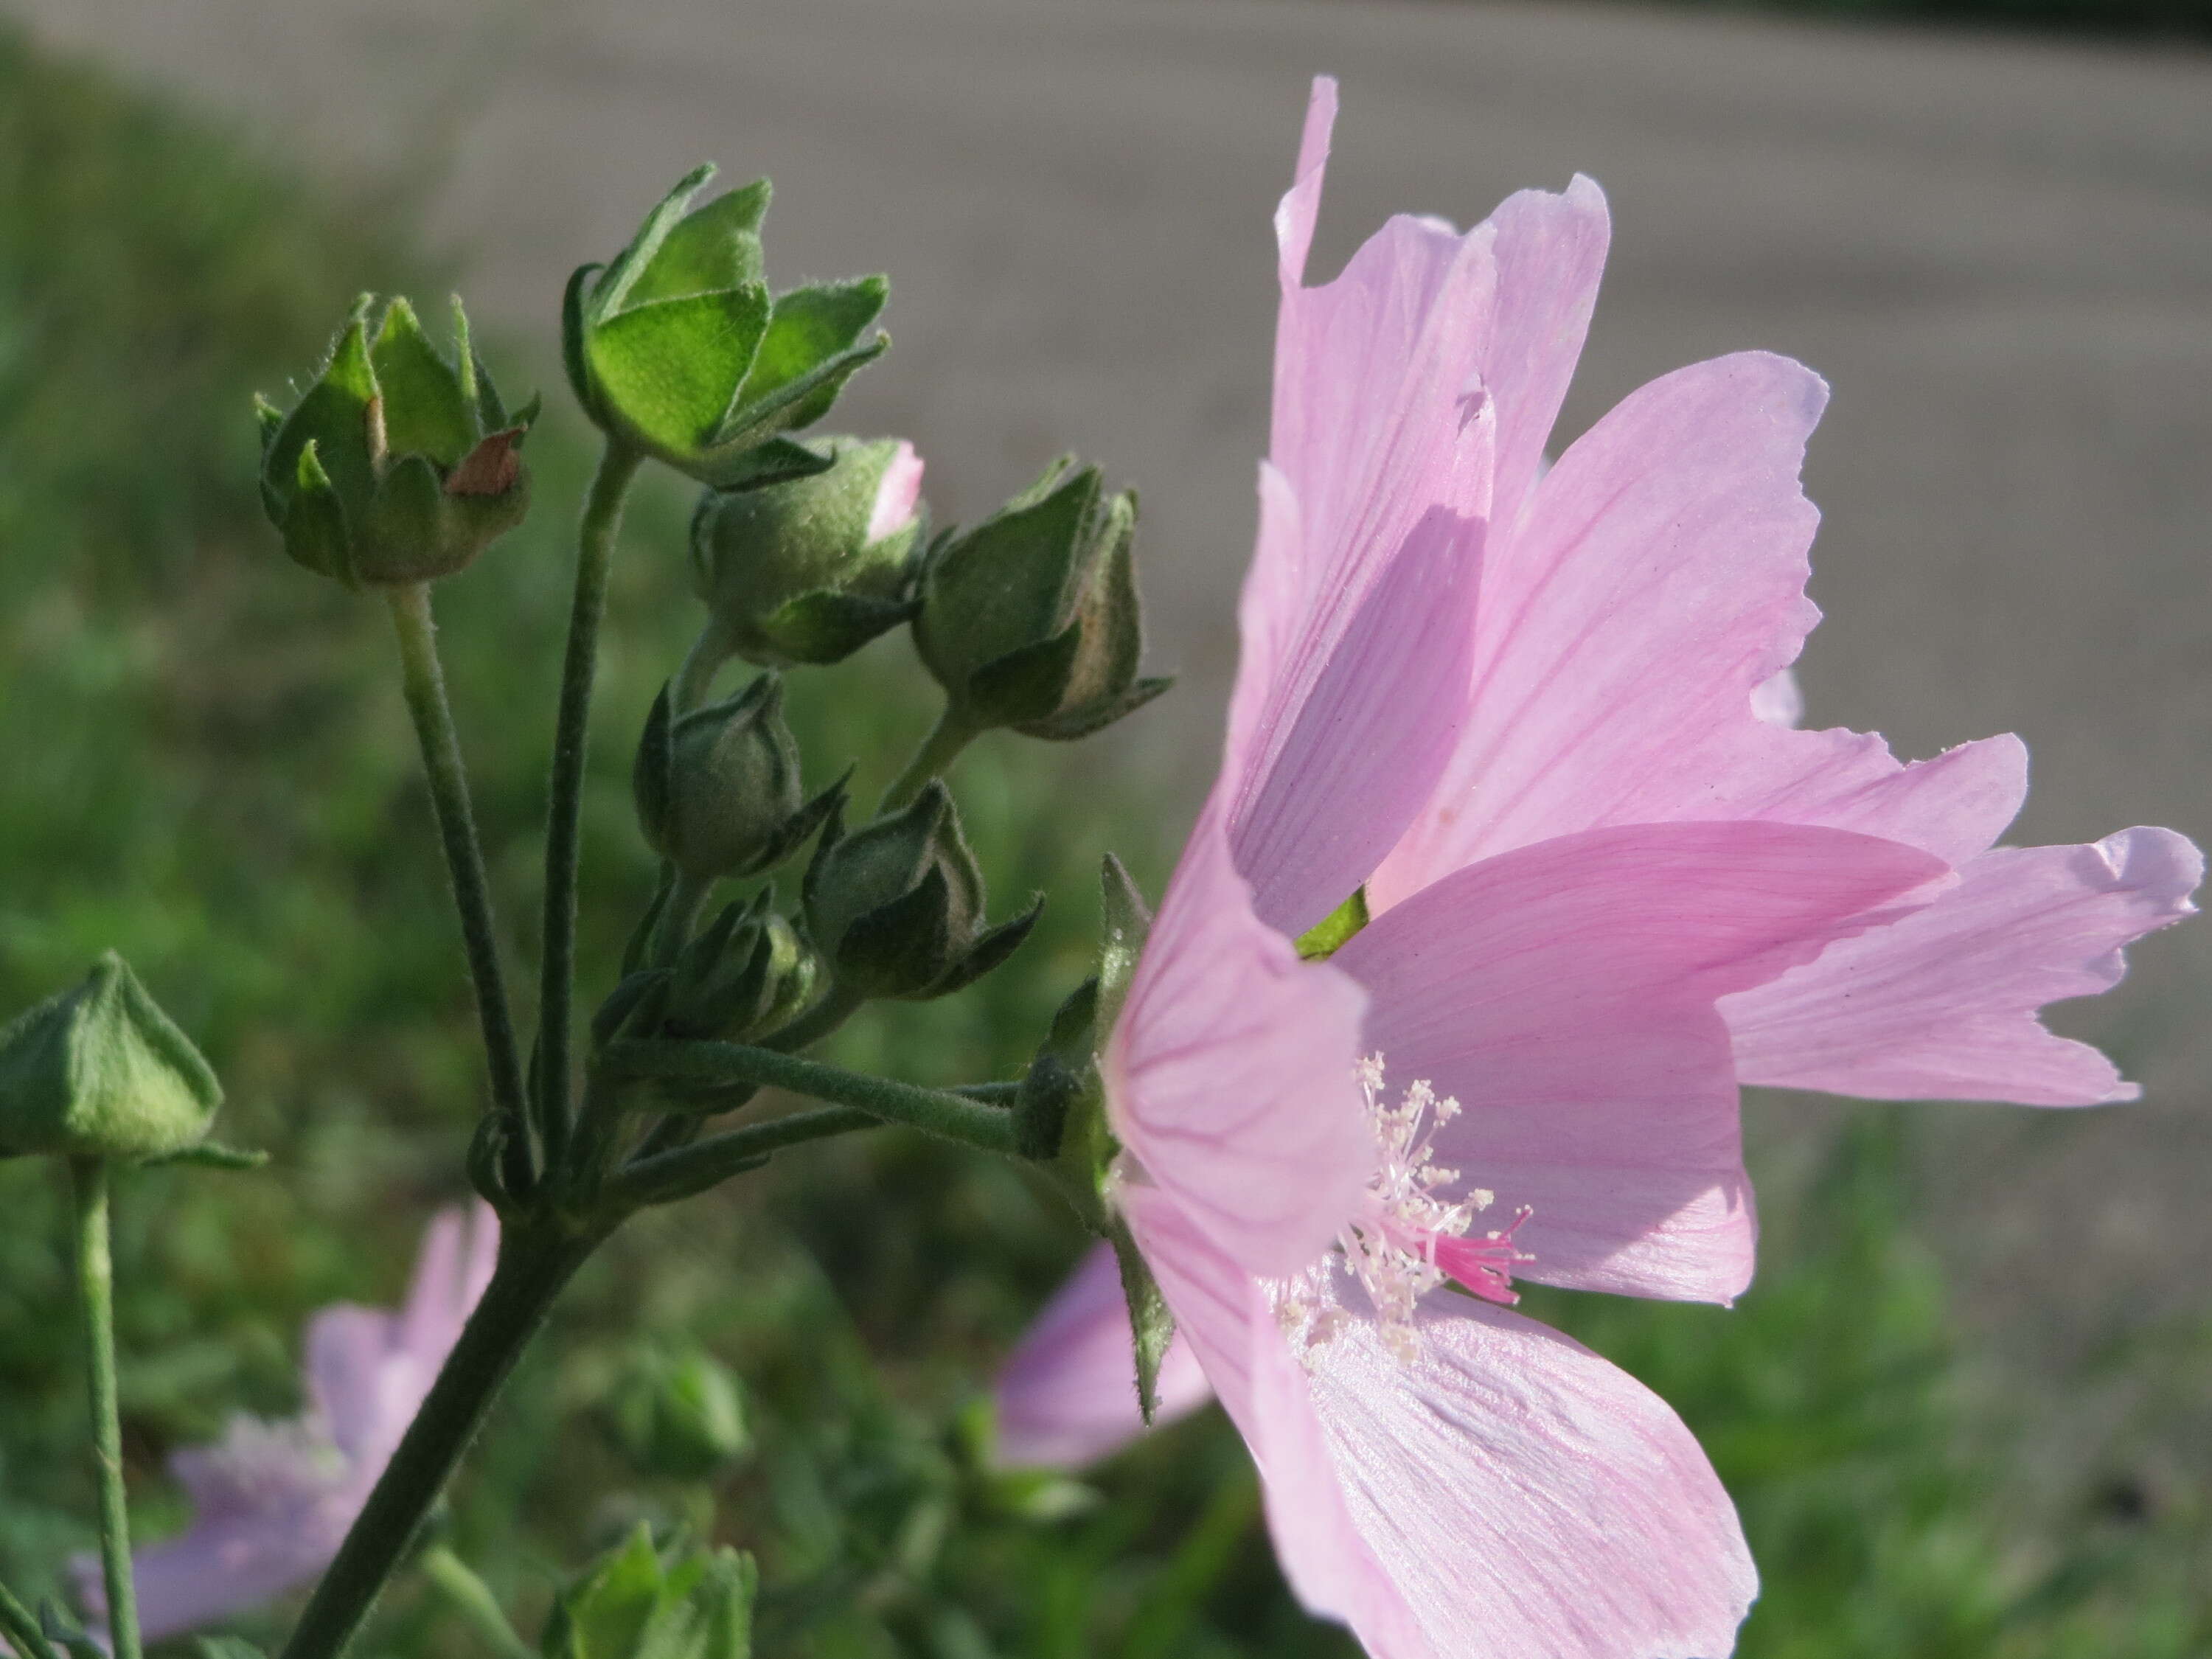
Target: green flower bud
{"points": [[102, 1071], [810, 570], [395, 466], [745, 976], [638, 1603], [718, 789], [897, 908], [677, 347], [679, 1416], [1030, 619]]}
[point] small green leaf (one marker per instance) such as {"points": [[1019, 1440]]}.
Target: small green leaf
{"points": [[827, 626], [1334, 931]]}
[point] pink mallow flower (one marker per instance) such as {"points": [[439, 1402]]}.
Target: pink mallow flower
{"points": [[1543, 720], [272, 1501]]}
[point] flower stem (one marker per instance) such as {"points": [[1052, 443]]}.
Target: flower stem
{"points": [[96, 1279], [934, 1111], [663, 1176], [938, 751], [534, 1266], [425, 683], [695, 677], [21, 1627], [472, 1598], [595, 545]]}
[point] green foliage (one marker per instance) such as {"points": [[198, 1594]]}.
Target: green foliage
{"points": [[209, 769]]}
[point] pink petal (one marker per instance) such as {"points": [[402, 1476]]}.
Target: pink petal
{"points": [[1551, 250], [1657, 582], [1229, 1073], [1943, 1003], [349, 1348], [898, 492], [1778, 700], [1301, 203], [1517, 1497], [1563, 993], [1375, 729], [1067, 1395]]}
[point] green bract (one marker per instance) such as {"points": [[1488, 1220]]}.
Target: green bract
{"points": [[788, 570], [718, 789], [101, 1072], [638, 1603], [1030, 618], [677, 347], [396, 465], [897, 908]]}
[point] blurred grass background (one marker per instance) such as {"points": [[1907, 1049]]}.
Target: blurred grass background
{"points": [[207, 767]]}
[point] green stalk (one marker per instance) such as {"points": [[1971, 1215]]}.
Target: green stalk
{"points": [[425, 683], [665, 1175], [938, 751], [532, 1268], [96, 1279], [21, 1627], [934, 1111], [595, 545], [472, 1598]]}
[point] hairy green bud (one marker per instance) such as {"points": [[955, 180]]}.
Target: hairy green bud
{"points": [[396, 465], [897, 908], [639, 1602], [680, 1416], [747, 973], [101, 1072], [677, 347], [810, 570], [1030, 619], [718, 789]]}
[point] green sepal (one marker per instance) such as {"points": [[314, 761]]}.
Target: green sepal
{"points": [[665, 372], [314, 523], [1125, 923], [425, 411], [812, 344], [1087, 718], [1010, 689], [572, 362], [1335, 930], [610, 294], [780, 461], [1150, 1322], [827, 626], [991, 950], [716, 248]]}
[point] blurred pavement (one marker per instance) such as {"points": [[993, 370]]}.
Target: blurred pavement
{"points": [[1998, 251]]}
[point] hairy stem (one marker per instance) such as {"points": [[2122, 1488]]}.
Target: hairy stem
{"points": [[534, 1266], [425, 683], [934, 1111], [95, 1283], [686, 1169], [595, 545], [938, 751]]}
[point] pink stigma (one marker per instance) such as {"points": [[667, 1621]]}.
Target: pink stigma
{"points": [[1484, 1266]]}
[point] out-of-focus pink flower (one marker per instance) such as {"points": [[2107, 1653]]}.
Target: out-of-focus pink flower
{"points": [[272, 1501], [898, 492], [1544, 720]]}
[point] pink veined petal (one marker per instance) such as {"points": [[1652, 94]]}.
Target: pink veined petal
{"points": [[898, 492], [1550, 252], [1222, 1312], [1374, 731], [1068, 1396], [1301, 204], [1943, 1005], [1229, 1076], [1521, 1497], [1656, 581], [1564, 993]]}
